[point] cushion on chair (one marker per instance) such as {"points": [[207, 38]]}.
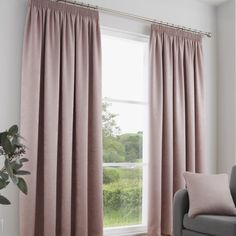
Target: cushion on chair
{"points": [[209, 194], [211, 224]]}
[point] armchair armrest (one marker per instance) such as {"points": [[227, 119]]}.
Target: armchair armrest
{"points": [[181, 206], [233, 183]]}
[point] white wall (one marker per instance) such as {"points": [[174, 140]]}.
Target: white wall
{"points": [[226, 99], [190, 13], [12, 15]]}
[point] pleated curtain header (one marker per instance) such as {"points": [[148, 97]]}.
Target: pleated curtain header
{"points": [[175, 32], [64, 8]]}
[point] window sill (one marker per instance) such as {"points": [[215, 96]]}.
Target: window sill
{"points": [[134, 230]]}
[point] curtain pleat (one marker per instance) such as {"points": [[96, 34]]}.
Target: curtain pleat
{"points": [[61, 121], [176, 120]]}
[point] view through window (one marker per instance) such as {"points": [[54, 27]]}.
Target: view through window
{"points": [[124, 131]]}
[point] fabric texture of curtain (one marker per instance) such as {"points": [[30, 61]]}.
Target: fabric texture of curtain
{"points": [[176, 119], [61, 121]]}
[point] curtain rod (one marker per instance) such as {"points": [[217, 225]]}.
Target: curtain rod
{"points": [[133, 16]]}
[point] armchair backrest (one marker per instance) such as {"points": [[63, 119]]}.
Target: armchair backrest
{"points": [[233, 183]]}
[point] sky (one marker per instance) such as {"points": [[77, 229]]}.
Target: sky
{"points": [[124, 77]]}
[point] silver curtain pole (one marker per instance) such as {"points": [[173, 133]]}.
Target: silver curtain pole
{"points": [[133, 16]]}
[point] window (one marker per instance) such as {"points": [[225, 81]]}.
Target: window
{"points": [[124, 133]]}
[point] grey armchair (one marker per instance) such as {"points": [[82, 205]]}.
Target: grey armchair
{"points": [[202, 225]]}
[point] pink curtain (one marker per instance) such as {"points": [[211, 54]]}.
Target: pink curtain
{"points": [[61, 121], [176, 119]]}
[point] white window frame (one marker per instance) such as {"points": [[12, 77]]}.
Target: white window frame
{"points": [[141, 229]]}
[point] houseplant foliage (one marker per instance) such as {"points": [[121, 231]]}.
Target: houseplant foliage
{"points": [[11, 152]]}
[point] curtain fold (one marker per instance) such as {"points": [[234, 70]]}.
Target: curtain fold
{"points": [[61, 121], [176, 119]]}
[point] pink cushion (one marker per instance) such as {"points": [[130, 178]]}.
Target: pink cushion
{"points": [[209, 194]]}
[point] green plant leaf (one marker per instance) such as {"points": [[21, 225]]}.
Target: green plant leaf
{"points": [[10, 171], [22, 185], [16, 142], [13, 130], [8, 167], [22, 172], [15, 166], [1, 139], [6, 144], [2, 184], [4, 176], [4, 201], [12, 149]]}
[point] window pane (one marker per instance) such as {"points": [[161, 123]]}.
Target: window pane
{"points": [[122, 194], [123, 68], [123, 126], [124, 131]]}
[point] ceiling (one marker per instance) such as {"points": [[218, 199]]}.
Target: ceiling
{"points": [[214, 2]]}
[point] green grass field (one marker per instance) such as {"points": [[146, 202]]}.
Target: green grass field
{"points": [[122, 197], [121, 218]]}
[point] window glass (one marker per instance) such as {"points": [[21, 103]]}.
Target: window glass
{"points": [[124, 131]]}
